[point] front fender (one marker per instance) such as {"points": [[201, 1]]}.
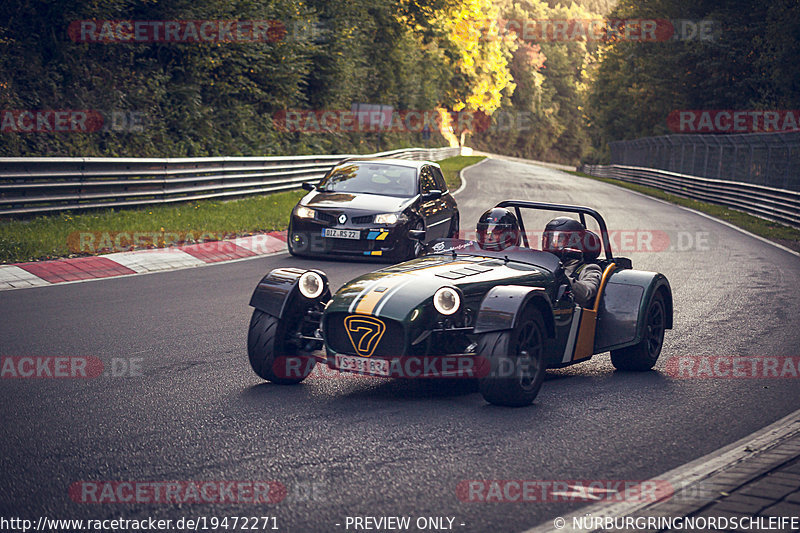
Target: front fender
{"points": [[278, 290], [500, 308], [623, 308]]}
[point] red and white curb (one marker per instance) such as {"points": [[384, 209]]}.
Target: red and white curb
{"points": [[36, 274]]}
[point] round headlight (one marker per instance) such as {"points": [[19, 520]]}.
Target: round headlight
{"points": [[446, 300], [311, 285]]}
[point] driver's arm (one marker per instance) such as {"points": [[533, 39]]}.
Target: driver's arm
{"points": [[585, 287]]}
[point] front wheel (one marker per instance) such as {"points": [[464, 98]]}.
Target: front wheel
{"points": [[643, 356], [516, 362], [414, 247], [269, 356]]}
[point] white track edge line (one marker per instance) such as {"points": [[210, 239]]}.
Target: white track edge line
{"points": [[692, 471], [461, 174]]}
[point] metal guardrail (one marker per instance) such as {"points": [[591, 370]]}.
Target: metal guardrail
{"points": [[767, 159], [30, 185], [766, 202]]}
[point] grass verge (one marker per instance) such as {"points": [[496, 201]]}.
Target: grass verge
{"points": [[453, 165], [54, 236], [774, 231]]}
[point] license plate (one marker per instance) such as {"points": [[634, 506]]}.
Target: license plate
{"points": [[341, 233], [378, 367]]}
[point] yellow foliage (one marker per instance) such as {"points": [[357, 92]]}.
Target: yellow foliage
{"points": [[482, 66]]}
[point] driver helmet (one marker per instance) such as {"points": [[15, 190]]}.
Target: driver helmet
{"points": [[498, 229], [562, 234]]}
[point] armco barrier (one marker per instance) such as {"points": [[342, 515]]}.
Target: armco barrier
{"points": [[775, 204], [30, 185]]}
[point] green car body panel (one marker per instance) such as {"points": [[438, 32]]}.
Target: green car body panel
{"points": [[495, 291]]}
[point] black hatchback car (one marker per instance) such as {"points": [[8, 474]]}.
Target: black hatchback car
{"points": [[367, 208]]}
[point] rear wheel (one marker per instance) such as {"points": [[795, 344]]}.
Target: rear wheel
{"points": [[269, 355], [643, 356], [516, 362]]}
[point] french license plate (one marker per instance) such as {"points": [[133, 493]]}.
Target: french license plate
{"points": [[341, 233], [378, 367]]}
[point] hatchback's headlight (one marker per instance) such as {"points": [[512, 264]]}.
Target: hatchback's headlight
{"points": [[304, 212], [387, 218], [311, 285], [446, 300]]}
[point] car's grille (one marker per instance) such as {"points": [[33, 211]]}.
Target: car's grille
{"points": [[365, 219], [332, 218], [325, 217], [391, 343]]}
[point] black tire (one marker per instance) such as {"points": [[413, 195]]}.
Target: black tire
{"points": [[454, 227], [269, 357], [518, 352], [414, 247], [643, 356]]}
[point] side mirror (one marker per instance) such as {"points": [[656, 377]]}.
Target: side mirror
{"points": [[307, 185], [433, 194], [417, 234]]}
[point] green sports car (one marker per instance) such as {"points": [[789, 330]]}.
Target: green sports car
{"points": [[501, 317]]}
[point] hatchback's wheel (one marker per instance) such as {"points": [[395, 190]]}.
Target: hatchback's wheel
{"points": [[515, 360], [415, 246]]}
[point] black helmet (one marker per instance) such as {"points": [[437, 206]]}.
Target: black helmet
{"points": [[564, 235], [498, 229]]}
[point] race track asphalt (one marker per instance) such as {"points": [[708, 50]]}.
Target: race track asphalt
{"points": [[360, 446]]}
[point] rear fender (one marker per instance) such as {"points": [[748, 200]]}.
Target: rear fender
{"points": [[623, 308], [277, 292], [501, 308]]}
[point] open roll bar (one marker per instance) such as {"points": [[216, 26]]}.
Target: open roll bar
{"points": [[580, 210]]}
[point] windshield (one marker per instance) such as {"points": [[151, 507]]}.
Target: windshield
{"points": [[372, 178]]}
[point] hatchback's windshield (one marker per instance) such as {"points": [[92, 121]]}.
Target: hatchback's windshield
{"points": [[372, 178]]}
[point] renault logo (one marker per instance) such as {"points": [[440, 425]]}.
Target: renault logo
{"points": [[342, 218], [365, 333]]}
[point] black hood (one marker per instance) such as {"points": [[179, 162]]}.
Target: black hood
{"points": [[362, 202]]}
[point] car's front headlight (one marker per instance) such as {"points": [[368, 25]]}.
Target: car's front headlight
{"points": [[446, 300], [304, 212], [387, 218], [311, 284]]}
